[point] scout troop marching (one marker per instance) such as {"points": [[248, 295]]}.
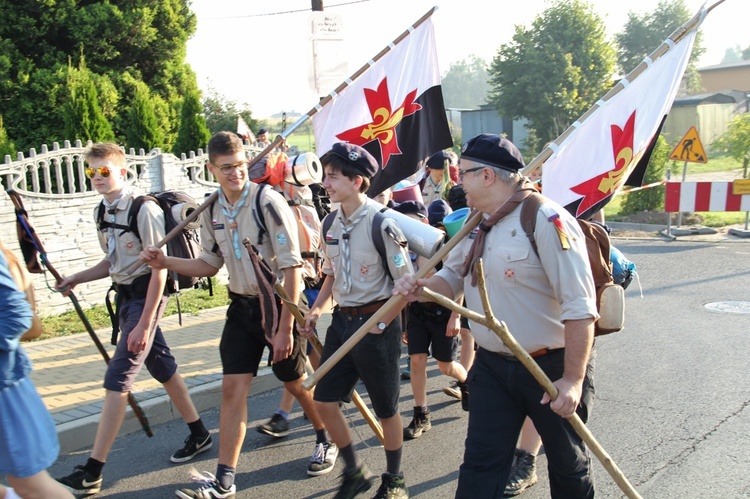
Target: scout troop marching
{"points": [[552, 321]]}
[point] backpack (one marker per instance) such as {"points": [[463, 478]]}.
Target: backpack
{"points": [[308, 232], [185, 245], [610, 297], [377, 236]]}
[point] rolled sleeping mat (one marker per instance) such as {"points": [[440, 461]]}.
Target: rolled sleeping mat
{"points": [[181, 211], [423, 239], [303, 169]]}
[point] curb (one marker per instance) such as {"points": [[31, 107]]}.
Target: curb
{"points": [[79, 434]]}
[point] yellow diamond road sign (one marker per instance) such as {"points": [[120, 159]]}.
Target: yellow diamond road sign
{"points": [[690, 148]]}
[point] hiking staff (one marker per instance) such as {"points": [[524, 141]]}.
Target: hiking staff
{"points": [[393, 303], [23, 221], [297, 313], [487, 319]]}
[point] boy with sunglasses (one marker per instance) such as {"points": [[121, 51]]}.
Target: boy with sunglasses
{"points": [[223, 230], [141, 304]]}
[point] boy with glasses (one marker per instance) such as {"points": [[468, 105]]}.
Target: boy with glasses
{"points": [[141, 303], [224, 226]]}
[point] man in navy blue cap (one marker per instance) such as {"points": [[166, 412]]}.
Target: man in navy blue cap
{"points": [[261, 139], [357, 280], [550, 309]]}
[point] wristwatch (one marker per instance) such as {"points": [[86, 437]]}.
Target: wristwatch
{"points": [[382, 326]]}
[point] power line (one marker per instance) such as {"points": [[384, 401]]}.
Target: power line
{"points": [[267, 14]]}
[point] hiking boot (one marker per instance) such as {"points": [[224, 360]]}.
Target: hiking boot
{"points": [[193, 447], [464, 387], [406, 373], [420, 423], [355, 481], [323, 459], [392, 487], [453, 390], [81, 482], [277, 426], [522, 473], [209, 489]]}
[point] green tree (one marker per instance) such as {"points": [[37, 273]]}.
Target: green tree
{"points": [[651, 199], [193, 133], [143, 40], [82, 114], [143, 129], [465, 84], [643, 34], [553, 71], [221, 113], [736, 140], [6, 146]]}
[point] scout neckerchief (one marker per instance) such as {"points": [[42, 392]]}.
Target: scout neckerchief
{"points": [[345, 249], [232, 217], [523, 190], [110, 210]]}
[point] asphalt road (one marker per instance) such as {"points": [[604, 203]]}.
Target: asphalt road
{"points": [[672, 396]]}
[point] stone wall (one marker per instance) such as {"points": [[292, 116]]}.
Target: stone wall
{"points": [[60, 206]]}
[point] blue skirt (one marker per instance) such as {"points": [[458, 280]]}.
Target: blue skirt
{"points": [[28, 439]]}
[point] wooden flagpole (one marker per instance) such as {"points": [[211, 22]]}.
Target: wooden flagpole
{"points": [[676, 36], [286, 133]]}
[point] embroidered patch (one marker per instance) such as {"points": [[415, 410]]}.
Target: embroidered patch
{"points": [[510, 273], [399, 260], [561, 234], [474, 233], [331, 242], [216, 225], [130, 245], [281, 238], [363, 270]]}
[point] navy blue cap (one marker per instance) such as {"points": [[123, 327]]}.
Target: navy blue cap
{"points": [[358, 157], [411, 207], [262, 131], [493, 150], [437, 211], [439, 161]]}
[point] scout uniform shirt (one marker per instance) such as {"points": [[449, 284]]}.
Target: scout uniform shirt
{"points": [[122, 248], [370, 282], [432, 191], [533, 298], [280, 248]]}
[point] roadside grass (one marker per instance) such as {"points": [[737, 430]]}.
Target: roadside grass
{"points": [[191, 302]]}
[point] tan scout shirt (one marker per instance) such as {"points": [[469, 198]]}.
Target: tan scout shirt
{"points": [[431, 192], [127, 245], [280, 248], [532, 297], [370, 282]]}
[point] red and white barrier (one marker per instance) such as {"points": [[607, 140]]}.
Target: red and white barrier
{"points": [[703, 196]]}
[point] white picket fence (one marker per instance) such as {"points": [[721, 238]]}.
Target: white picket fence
{"points": [[60, 203]]}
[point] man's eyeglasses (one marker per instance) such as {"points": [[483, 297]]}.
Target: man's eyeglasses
{"points": [[228, 169], [103, 171], [461, 173]]}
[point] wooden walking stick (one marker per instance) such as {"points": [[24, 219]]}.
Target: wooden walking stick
{"points": [[315, 342], [23, 221], [523, 356], [394, 304]]}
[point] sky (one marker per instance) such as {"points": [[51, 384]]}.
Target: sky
{"points": [[249, 54]]}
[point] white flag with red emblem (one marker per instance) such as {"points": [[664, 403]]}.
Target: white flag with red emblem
{"points": [[602, 153], [395, 110], [243, 130]]}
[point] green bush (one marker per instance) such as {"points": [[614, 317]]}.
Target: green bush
{"points": [[651, 199]]}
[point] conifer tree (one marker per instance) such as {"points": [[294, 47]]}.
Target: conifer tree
{"points": [[142, 129], [193, 132], [6, 146], [82, 114]]}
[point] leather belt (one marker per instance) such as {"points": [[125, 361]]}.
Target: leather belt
{"points": [[535, 354], [370, 308]]}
